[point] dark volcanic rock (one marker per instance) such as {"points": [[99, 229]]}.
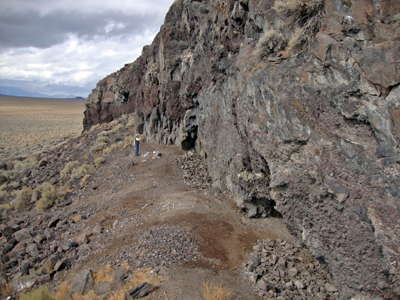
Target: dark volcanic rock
{"points": [[140, 291], [296, 107], [281, 270]]}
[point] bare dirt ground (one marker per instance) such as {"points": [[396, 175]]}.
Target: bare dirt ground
{"points": [[115, 221], [151, 194], [30, 124]]}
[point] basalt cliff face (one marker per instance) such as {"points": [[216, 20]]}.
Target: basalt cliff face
{"points": [[295, 105]]}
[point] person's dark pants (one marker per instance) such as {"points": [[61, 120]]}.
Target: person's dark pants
{"points": [[137, 149]]}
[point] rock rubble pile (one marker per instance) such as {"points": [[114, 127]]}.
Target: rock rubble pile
{"points": [[195, 172], [280, 270]]}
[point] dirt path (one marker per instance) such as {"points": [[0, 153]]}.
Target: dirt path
{"points": [[129, 200]]}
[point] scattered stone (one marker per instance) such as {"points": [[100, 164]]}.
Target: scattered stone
{"points": [[161, 246], [83, 238], [292, 272], [98, 229], [3, 179], [195, 173], [43, 163], [53, 222], [3, 165], [25, 268], [279, 269], [9, 246], [22, 234], [140, 291], [299, 284], [76, 219], [26, 282], [120, 275], [330, 287], [82, 282], [62, 264], [156, 154], [33, 250]]}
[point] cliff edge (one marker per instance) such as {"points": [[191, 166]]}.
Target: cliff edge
{"points": [[295, 105]]}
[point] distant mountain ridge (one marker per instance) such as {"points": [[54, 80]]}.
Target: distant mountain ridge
{"points": [[25, 88]]}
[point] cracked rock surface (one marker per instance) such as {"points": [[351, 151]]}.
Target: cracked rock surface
{"points": [[308, 96]]}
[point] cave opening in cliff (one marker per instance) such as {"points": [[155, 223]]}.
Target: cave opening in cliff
{"points": [[189, 143]]}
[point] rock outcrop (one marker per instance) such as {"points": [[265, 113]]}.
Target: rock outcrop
{"points": [[295, 105]]}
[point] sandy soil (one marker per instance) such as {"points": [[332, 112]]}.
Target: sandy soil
{"points": [[30, 124]]}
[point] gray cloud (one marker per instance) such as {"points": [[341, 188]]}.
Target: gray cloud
{"points": [[30, 29]]}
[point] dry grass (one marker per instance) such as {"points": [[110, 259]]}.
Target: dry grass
{"points": [[50, 194], [291, 6], [63, 292], [131, 122], [68, 168], [23, 198], [5, 289], [28, 124], [85, 179], [128, 141], [41, 293], [98, 147], [112, 148], [5, 206], [116, 128], [99, 161], [28, 163], [140, 276], [82, 171], [105, 274], [270, 43], [212, 291], [103, 139], [5, 194], [297, 40]]}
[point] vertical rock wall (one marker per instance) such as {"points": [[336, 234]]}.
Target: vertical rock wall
{"points": [[296, 107]]}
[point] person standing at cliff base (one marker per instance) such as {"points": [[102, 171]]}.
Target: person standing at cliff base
{"points": [[137, 145]]}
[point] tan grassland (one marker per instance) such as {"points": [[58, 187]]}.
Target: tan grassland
{"points": [[28, 125]]}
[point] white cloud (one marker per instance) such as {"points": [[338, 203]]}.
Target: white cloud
{"points": [[75, 62]]}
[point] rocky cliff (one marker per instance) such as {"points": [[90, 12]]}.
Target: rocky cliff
{"points": [[295, 105]]}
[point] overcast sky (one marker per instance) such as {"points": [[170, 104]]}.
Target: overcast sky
{"points": [[74, 42]]}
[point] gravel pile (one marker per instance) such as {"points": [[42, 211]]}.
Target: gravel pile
{"points": [[280, 270], [162, 246], [195, 173]]}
